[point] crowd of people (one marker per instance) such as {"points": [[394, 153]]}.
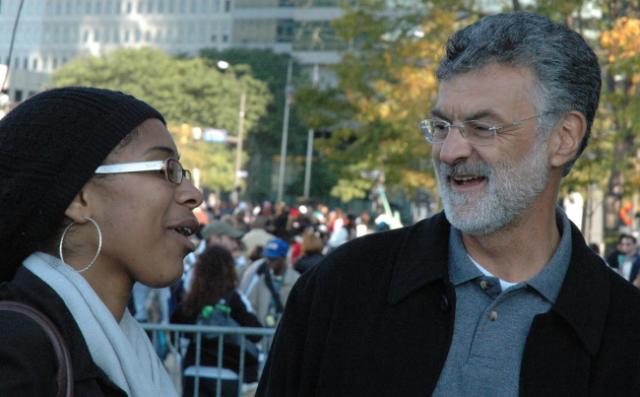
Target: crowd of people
{"points": [[247, 258]]}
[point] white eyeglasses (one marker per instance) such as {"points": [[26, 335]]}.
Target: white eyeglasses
{"points": [[171, 168]]}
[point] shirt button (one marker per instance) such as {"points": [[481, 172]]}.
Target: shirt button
{"points": [[493, 315], [484, 284]]}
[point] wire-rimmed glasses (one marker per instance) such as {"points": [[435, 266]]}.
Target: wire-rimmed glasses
{"points": [[173, 171], [477, 132]]}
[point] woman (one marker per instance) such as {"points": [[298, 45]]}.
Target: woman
{"points": [[93, 199], [214, 281]]}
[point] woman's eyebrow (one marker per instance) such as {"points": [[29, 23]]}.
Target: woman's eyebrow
{"points": [[165, 149]]}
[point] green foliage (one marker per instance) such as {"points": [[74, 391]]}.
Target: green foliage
{"points": [[184, 91], [386, 86], [271, 69]]}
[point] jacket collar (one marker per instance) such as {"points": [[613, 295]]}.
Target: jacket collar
{"points": [[422, 258], [582, 301]]}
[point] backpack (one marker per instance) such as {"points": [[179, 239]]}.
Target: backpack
{"points": [[220, 315]]}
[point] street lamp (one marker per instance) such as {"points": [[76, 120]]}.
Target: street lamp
{"points": [[224, 65]]}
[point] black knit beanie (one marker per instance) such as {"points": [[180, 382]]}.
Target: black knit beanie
{"points": [[50, 146]]}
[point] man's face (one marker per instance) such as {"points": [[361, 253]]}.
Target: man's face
{"points": [[276, 264], [486, 187], [627, 246]]}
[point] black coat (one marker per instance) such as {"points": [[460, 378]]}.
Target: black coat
{"points": [[375, 318], [27, 360]]}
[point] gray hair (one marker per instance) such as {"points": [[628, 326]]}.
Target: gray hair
{"points": [[565, 67]]}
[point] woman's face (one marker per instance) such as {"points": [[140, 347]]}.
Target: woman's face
{"points": [[142, 215]]}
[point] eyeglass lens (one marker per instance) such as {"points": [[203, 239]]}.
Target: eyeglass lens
{"points": [[174, 171]]}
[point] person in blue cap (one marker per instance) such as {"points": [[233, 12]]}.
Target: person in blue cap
{"points": [[268, 282]]}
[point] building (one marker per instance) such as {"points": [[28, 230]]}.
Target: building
{"points": [[51, 32]]}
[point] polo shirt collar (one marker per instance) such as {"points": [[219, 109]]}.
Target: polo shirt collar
{"points": [[423, 259], [549, 280]]}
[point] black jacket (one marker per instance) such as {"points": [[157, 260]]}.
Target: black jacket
{"points": [[375, 318], [27, 360]]}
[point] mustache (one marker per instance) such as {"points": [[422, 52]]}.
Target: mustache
{"points": [[478, 168]]}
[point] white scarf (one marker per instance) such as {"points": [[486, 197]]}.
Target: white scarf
{"points": [[122, 350]]}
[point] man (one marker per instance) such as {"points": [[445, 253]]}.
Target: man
{"points": [[256, 238], [500, 295], [625, 259], [268, 281]]}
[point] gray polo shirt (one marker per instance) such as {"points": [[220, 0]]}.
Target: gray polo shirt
{"points": [[491, 325]]}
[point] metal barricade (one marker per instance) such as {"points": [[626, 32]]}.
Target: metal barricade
{"points": [[178, 331]]}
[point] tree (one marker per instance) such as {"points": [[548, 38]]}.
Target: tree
{"points": [[184, 91], [264, 146], [387, 85]]}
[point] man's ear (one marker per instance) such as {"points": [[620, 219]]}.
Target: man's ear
{"points": [[567, 137], [78, 210]]}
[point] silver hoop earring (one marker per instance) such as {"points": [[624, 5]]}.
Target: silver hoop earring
{"points": [[66, 229]]}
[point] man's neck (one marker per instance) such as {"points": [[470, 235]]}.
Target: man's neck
{"points": [[519, 251]]}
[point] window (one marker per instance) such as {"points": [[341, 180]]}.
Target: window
{"points": [[107, 35], [284, 31], [85, 36], [17, 95], [147, 36], [160, 6], [204, 7], [216, 6], [214, 38], [227, 5], [127, 36], [34, 64], [118, 7], [225, 38], [69, 8], [140, 7], [87, 7], [55, 35], [172, 6], [25, 63], [54, 64], [183, 6], [150, 7], [98, 8], [194, 6], [96, 36], [73, 35], [129, 7], [58, 7], [116, 36], [107, 7], [78, 7], [138, 35]]}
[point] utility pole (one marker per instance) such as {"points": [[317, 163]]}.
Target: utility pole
{"points": [[285, 131], [309, 159], [241, 113]]}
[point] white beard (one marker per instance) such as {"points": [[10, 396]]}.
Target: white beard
{"points": [[511, 188]]}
